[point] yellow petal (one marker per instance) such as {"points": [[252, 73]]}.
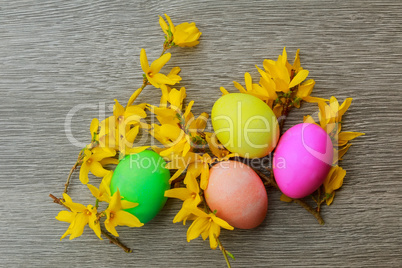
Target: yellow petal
{"points": [[84, 170], [322, 115], [157, 64], [65, 216], [94, 127], [343, 151], [94, 190], [204, 176], [97, 169], [188, 109], [174, 133], [134, 96], [300, 77], [101, 153], [109, 161], [95, 226], [314, 99], [181, 215], [239, 87], [308, 119], [163, 25], [111, 228], [171, 25], [136, 150], [196, 228], [296, 63], [180, 193], [127, 219], [80, 221], [186, 149], [334, 105], [176, 97], [214, 232], [222, 223], [345, 106], [330, 199], [134, 110], [285, 198], [144, 61], [176, 175], [162, 79], [248, 80], [224, 91], [344, 137], [132, 134], [191, 182], [305, 89]]}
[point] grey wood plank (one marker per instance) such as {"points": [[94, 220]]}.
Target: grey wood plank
{"points": [[55, 55]]}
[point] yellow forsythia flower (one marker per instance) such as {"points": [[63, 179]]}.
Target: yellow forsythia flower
{"points": [[190, 196], [206, 225], [116, 216], [120, 130], [183, 35], [103, 193], [179, 133], [91, 162], [157, 79], [333, 181], [253, 89], [78, 217]]}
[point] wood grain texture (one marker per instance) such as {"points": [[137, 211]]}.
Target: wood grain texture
{"points": [[55, 55]]}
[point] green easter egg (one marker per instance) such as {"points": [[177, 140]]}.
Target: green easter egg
{"points": [[142, 178]]}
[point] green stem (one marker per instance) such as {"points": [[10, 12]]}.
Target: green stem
{"points": [[224, 252]]}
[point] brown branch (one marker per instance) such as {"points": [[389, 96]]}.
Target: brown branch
{"points": [[271, 182], [58, 201], [69, 176], [114, 240], [314, 212]]}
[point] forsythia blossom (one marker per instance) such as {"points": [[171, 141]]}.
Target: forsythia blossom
{"points": [[78, 217], [183, 35], [206, 225], [157, 79], [116, 216]]}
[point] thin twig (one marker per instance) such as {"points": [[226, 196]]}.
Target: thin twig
{"points": [[115, 241], [314, 212], [58, 201], [269, 181], [69, 176]]}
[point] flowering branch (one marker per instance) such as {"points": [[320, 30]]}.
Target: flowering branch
{"points": [[112, 240]]}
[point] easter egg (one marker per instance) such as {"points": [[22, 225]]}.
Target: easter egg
{"points": [[302, 160], [237, 194], [142, 178], [244, 124]]}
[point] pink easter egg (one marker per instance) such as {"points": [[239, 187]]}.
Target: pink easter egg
{"points": [[237, 193], [302, 160]]}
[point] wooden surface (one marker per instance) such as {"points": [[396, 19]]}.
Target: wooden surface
{"points": [[55, 55]]}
